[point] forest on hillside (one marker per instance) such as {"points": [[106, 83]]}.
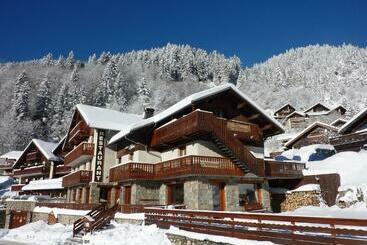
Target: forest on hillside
{"points": [[38, 96]]}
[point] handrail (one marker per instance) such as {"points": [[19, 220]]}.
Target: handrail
{"points": [[79, 223], [281, 229]]}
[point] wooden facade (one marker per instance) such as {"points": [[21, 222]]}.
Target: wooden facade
{"points": [[284, 111], [353, 134]]}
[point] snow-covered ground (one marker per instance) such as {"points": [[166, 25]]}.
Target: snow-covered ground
{"points": [[118, 234]]}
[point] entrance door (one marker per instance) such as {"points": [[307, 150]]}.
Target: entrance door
{"points": [[219, 201], [127, 195], [175, 194], [17, 219]]}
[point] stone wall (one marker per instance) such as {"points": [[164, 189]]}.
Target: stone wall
{"points": [[183, 240], [232, 194], [198, 195], [145, 193], [294, 200]]}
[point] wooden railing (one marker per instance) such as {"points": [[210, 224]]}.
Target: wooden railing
{"points": [[77, 178], [279, 229], [6, 165], [41, 170], [283, 169], [32, 156], [139, 208], [184, 166], [79, 132], [17, 187], [75, 206], [200, 122], [79, 225], [82, 152], [348, 139], [103, 218], [61, 169]]}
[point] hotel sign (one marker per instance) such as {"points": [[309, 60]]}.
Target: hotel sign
{"points": [[98, 171]]}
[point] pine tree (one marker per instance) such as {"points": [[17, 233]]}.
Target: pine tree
{"points": [[104, 92], [143, 91], [43, 101], [47, 60], [104, 58], [20, 105], [70, 60]]}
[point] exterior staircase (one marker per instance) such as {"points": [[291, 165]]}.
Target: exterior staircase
{"points": [[96, 219]]}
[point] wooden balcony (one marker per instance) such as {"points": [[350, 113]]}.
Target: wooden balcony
{"points": [[32, 156], [82, 153], [180, 167], [79, 133], [79, 177], [201, 122], [31, 171], [16, 187], [229, 135], [352, 141], [275, 169], [62, 169], [6, 166]]}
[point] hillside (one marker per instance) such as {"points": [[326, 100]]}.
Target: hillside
{"points": [[38, 95]]}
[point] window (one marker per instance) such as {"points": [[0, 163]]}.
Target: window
{"points": [[182, 151], [247, 194]]}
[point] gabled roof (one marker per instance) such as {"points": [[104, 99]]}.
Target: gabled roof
{"points": [[188, 102], [309, 129], [311, 107], [353, 121], [338, 120], [281, 108], [101, 118], [44, 147], [12, 155], [300, 113]]}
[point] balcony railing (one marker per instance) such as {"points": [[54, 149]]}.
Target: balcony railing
{"points": [[82, 153], [16, 187], [230, 134], [6, 166], [40, 170], [62, 169], [77, 178], [79, 132], [184, 166], [277, 169], [32, 156]]}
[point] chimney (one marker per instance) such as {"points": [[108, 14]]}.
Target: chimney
{"points": [[148, 111]]}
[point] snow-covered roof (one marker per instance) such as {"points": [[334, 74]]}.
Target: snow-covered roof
{"points": [[44, 147], [46, 184], [300, 113], [352, 121], [96, 117], [282, 107], [311, 107], [12, 155], [186, 102], [308, 129], [307, 187]]}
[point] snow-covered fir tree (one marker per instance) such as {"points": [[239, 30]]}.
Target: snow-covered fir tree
{"points": [[21, 94]]}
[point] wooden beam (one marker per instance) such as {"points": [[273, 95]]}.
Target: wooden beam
{"points": [[253, 117], [267, 126], [242, 105]]}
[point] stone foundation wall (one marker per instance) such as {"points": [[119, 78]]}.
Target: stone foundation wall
{"points": [[299, 199], [145, 193], [232, 194], [182, 240], [198, 195]]}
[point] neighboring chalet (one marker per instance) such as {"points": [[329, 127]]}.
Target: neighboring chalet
{"points": [[205, 152], [7, 161], [83, 149], [353, 134], [284, 111], [37, 162], [299, 120], [316, 133]]}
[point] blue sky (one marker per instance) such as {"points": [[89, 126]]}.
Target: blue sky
{"points": [[252, 30]]}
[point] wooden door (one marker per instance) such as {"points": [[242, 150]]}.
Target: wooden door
{"points": [[222, 199], [127, 195], [17, 219], [117, 193], [169, 194]]}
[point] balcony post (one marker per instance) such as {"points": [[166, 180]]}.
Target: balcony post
{"points": [[68, 195], [52, 170], [263, 195], [84, 195]]}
